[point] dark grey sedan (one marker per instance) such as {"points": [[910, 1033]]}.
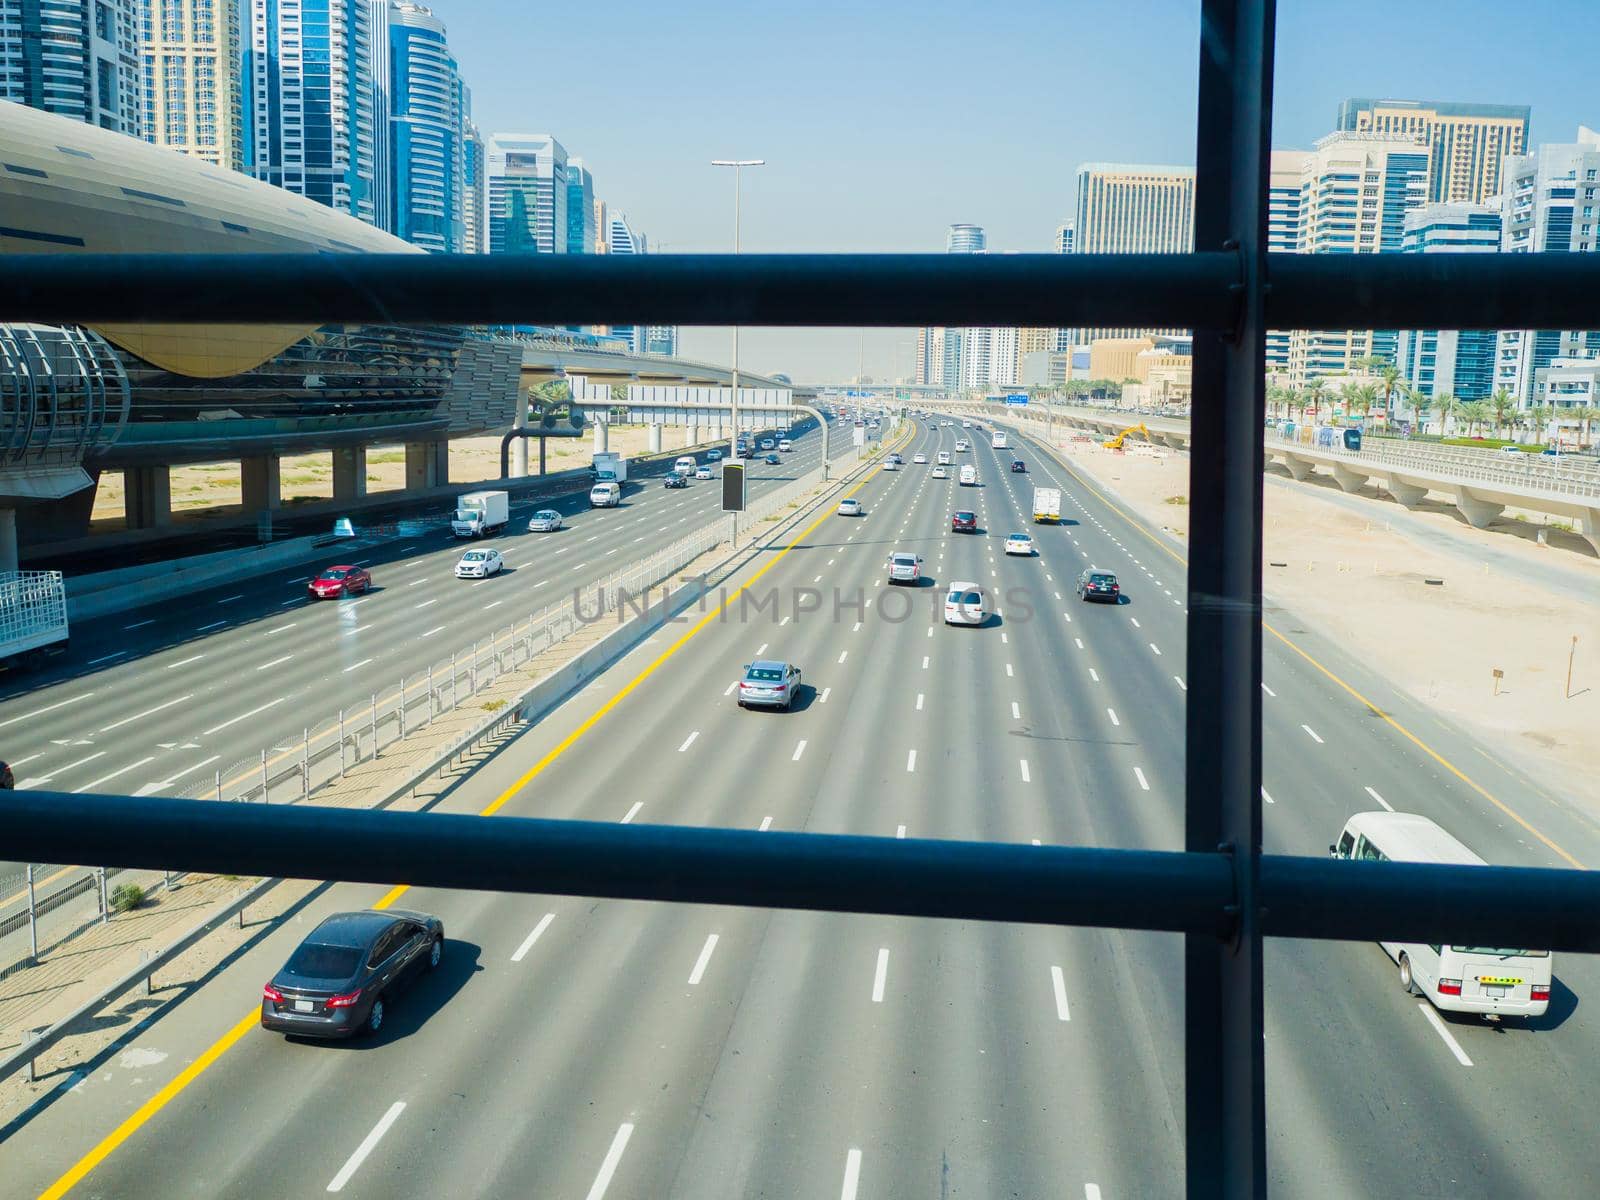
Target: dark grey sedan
{"points": [[338, 981]]}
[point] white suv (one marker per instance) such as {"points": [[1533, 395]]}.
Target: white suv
{"points": [[966, 604]]}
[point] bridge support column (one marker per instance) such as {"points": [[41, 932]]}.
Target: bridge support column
{"points": [[147, 497], [8, 539], [1298, 468], [691, 432], [1478, 512], [655, 437], [519, 458], [427, 464], [349, 472], [1404, 491], [259, 478], [602, 437], [1591, 528], [1350, 481]]}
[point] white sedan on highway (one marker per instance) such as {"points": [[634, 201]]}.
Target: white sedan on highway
{"points": [[919, 459], [702, 472], [546, 520], [480, 564], [1019, 543]]}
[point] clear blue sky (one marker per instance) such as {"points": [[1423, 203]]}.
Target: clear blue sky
{"points": [[884, 122]]}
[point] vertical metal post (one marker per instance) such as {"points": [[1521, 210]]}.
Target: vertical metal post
{"points": [[341, 743], [402, 706], [374, 725], [219, 785], [430, 693], [33, 920], [452, 679], [105, 899], [472, 671], [1225, 1088], [305, 763], [265, 798]]}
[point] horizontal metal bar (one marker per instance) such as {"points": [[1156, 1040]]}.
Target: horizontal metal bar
{"points": [[1064, 885], [1456, 291]]}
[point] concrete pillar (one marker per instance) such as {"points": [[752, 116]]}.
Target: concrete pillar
{"points": [[655, 437], [1298, 467], [1405, 492], [8, 539], [147, 499], [427, 464], [1350, 481], [349, 472], [1478, 512], [602, 437], [1591, 527], [519, 458], [259, 477], [691, 432]]}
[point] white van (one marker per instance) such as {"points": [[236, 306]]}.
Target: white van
{"points": [[944, 458], [966, 604], [605, 495], [686, 466], [785, 446], [1491, 980], [969, 476]]}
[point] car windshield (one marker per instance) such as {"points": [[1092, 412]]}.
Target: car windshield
{"points": [[336, 573], [764, 675], [316, 960]]}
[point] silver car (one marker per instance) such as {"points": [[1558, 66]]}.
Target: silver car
{"points": [[904, 568], [546, 520], [767, 683]]}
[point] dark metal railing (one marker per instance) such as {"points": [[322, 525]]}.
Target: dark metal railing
{"points": [[1221, 893]]}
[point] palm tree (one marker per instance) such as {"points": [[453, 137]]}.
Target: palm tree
{"points": [[1539, 416], [1421, 404], [1476, 413], [1313, 396], [1501, 405], [1390, 375], [1585, 415], [1448, 406]]}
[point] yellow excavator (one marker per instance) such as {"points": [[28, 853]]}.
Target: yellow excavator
{"points": [[1116, 442]]}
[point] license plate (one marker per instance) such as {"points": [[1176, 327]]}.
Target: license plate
{"points": [[1495, 991], [304, 1006]]}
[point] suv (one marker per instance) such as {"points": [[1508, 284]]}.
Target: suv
{"points": [[1095, 584], [964, 522]]}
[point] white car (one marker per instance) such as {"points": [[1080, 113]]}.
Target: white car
{"points": [[965, 604], [546, 520], [962, 447], [850, 508], [479, 564], [919, 459], [785, 446], [889, 464], [940, 473], [1019, 543], [702, 472]]}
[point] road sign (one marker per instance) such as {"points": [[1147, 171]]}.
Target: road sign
{"points": [[859, 435], [1015, 398], [732, 487]]}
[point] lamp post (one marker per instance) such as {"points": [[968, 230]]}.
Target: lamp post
{"points": [[738, 165]]}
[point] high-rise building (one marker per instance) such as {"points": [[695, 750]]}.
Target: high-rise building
{"points": [[192, 95], [383, 129], [1131, 208], [965, 239], [602, 226], [1064, 238], [427, 153], [76, 58], [1466, 142], [1355, 191], [310, 102], [580, 209], [1283, 234], [474, 192], [660, 339], [622, 239], [1551, 205], [930, 357], [1458, 361], [527, 175]]}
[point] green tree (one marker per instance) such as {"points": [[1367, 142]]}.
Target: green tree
{"points": [[1313, 396], [1421, 405], [1448, 407], [1390, 375], [1501, 405], [1476, 413]]}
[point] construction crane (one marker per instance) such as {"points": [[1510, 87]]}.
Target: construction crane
{"points": [[1116, 442]]}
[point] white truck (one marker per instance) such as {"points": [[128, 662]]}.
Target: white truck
{"points": [[481, 514], [1046, 506], [610, 467], [33, 616]]}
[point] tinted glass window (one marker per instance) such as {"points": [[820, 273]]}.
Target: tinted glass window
{"points": [[316, 961], [765, 675]]}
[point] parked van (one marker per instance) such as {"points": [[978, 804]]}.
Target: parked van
{"points": [[605, 495], [1492, 980], [685, 466]]}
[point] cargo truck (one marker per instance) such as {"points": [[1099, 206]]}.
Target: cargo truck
{"points": [[33, 616], [610, 467], [1046, 506], [481, 514]]}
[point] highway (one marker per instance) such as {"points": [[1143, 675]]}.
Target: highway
{"points": [[162, 698], [569, 1047]]}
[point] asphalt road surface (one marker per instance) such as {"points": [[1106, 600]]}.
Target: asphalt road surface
{"points": [[569, 1047]]}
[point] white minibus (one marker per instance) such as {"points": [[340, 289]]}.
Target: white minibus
{"points": [[1492, 980]]}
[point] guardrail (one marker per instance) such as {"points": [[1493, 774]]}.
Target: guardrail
{"points": [[1475, 467]]}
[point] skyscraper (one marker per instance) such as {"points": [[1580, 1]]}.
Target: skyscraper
{"points": [[192, 94], [383, 198], [474, 189], [427, 160], [1355, 191], [527, 179], [1283, 234], [580, 208], [1551, 205], [1458, 361], [1466, 142], [76, 58], [1131, 208], [621, 239], [965, 239], [1064, 238], [310, 99]]}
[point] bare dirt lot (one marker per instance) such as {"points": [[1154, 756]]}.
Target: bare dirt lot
{"points": [[1359, 570]]}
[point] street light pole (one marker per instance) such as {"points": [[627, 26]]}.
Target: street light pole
{"points": [[738, 165]]}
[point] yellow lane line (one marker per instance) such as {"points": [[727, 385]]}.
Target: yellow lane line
{"points": [[37, 884], [223, 1044], [1411, 737]]}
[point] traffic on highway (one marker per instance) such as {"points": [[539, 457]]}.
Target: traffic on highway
{"points": [[997, 656]]}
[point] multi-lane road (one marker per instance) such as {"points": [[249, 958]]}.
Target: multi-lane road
{"points": [[611, 1049], [160, 699]]}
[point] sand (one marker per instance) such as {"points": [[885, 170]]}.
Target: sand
{"points": [[1360, 580]]}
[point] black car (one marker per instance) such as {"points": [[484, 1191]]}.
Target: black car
{"points": [[338, 982], [1019, 466], [673, 480], [1099, 585], [8, 781]]}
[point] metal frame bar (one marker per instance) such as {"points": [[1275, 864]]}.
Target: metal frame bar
{"points": [[1221, 893]]}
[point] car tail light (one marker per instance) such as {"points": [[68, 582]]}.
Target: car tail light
{"points": [[1539, 991], [344, 1001], [271, 993], [1449, 987]]}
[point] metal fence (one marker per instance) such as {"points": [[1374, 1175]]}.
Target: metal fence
{"points": [[1220, 892]]}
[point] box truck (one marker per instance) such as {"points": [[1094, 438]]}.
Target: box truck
{"points": [[481, 514], [1046, 506]]}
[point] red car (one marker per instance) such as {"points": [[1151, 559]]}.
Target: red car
{"points": [[964, 522], [334, 582]]}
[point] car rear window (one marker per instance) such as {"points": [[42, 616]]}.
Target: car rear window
{"points": [[1103, 578], [313, 960], [765, 675], [905, 560], [1496, 952], [964, 516]]}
